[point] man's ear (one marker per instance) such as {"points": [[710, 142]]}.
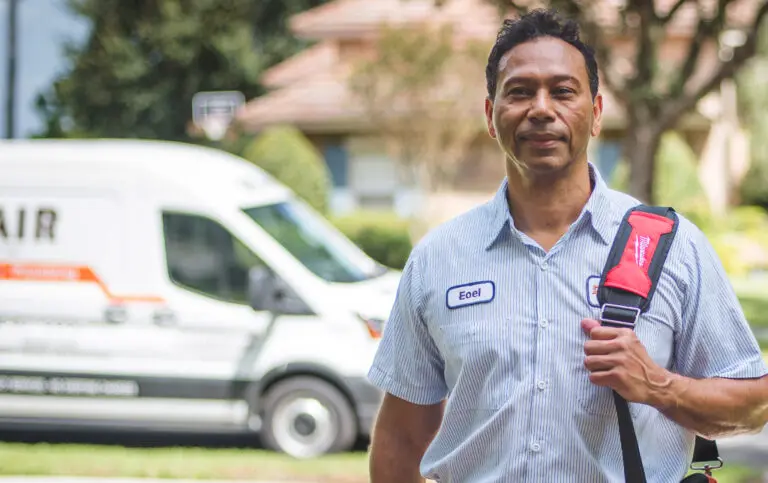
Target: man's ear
{"points": [[597, 114], [489, 117]]}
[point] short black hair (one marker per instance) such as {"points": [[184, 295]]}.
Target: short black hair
{"points": [[534, 24]]}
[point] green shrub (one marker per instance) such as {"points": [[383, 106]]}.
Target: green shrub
{"points": [[754, 186], [286, 154], [382, 235]]}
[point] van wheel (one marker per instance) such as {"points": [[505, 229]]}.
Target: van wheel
{"points": [[307, 417]]}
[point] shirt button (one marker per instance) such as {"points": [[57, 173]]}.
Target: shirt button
{"points": [[544, 266], [543, 323], [535, 447], [541, 385]]}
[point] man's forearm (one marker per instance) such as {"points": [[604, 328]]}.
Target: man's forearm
{"points": [[394, 459], [716, 407], [400, 437]]}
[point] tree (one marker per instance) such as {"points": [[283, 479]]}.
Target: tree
{"points": [[657, 96], [753, 100], [287, 155], [427, 115], [137, 71]]}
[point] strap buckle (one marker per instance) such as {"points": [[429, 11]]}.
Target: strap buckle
{"points": [[619, 315], [707, 468]]}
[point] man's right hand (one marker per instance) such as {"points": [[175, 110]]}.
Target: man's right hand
{"points": [[401, 435]]}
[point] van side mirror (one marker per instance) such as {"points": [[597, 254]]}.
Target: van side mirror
{"points": [[268, 292]]}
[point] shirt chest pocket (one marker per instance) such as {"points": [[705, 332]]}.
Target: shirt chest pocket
{"points": [[657, 338], [479, 356]]}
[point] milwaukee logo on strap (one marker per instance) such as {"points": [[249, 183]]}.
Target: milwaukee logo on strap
{"points": [[631, 273], [641, 245]]}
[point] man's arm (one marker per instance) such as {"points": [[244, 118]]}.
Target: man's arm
{"points": [[409, 368], [401, 435], [715, 408], [711, 407]]}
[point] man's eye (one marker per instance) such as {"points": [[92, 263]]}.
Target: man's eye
{"points": [[518, 91], [563, 91]]}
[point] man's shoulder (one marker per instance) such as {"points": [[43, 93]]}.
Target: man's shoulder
{"points": [[689, 241], [622, 202]]}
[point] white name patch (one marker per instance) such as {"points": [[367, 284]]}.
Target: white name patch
{"points": [[470, 294]]}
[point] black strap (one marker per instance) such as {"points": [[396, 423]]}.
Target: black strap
{"points": [[633, 462], [620, 308]]}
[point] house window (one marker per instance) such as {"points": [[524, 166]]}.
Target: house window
{"points": [[374, 181], [337, 160]]}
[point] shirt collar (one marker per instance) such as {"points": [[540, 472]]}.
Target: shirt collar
{"points": [[598, 211]]}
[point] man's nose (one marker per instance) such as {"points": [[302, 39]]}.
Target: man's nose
{"points": [[541, 108]]}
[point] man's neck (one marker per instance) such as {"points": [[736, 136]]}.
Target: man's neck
{"points": [[543, 207]]}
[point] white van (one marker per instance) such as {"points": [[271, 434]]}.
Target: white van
{"points": [[163, 286]]}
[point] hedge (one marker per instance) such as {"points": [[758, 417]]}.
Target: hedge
{"points": [[384, 236], [286, 154]]}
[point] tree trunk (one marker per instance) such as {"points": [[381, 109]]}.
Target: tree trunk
{"points": [[641, 142]]}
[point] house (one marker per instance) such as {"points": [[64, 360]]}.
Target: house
{"points": [[311, 91]]}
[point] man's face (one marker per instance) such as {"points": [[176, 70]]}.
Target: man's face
{"points": [[543, 114]]}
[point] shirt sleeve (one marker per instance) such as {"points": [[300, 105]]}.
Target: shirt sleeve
{"points": [[716, 339], [407, 363]]}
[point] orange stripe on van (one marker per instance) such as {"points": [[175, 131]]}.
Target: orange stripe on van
{"points": [[67, 273]]}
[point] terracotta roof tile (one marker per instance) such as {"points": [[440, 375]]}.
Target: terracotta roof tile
{"points": [[321, 101], [344, 18], [318, 58], [322, 98]]}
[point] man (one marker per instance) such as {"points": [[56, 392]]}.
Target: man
{"points": [[494, 366]]}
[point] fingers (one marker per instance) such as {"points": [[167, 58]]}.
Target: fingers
{"points": [[602, 347], [596, 331], [589, 324], [599, 363], [608, 333], [603, 378]]}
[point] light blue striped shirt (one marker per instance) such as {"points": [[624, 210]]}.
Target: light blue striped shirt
{"points": [[520, 406]]}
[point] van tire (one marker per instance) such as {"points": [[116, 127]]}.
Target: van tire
{"points": [[311, 406]]}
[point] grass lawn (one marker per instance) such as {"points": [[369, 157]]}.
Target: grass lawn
{"points": [[737, 474], [199, 463], [189, 463]]}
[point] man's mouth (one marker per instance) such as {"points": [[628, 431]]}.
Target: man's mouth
{"points": [[542, 140]]}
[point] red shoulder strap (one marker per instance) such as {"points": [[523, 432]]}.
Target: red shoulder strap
{"points": [[636, 259]]}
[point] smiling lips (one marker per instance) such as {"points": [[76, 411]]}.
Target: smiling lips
{"points": [[541, 139]]}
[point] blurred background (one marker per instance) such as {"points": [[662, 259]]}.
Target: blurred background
{"points": [[371, 111]]}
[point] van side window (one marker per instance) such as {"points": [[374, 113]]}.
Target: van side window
{"points": [[204, 257]]}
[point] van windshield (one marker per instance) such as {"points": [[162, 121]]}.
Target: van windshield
{"points": [[323, 250]]}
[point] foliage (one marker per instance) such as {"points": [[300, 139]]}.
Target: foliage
{"points": [[412, 91], [676, 178], [655, 91], [286, 154], [382, 235], [753, 100], [740, 237], [136, 73]]}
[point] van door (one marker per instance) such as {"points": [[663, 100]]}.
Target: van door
{"points": [[210, 334]]}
